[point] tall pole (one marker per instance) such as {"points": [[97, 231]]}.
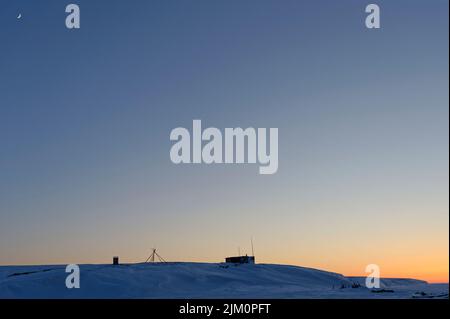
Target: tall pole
{"points": [[251, 240]]}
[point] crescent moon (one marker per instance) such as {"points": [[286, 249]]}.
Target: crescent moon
{"points": [[19, 16]]}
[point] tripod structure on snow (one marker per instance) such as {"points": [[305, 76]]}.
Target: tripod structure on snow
{"points": [[154, 254]]}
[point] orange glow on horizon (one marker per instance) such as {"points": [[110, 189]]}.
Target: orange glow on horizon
{"points": [[432, 278]]}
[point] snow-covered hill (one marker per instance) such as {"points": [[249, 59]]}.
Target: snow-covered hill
{"points": [[200, 280]]}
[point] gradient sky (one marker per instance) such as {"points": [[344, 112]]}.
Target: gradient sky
{"points": [[85, 117]]}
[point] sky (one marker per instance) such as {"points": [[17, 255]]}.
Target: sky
{"points": [[86, 114]]}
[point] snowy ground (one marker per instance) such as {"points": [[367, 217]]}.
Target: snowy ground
{"points": [[202, 280]]}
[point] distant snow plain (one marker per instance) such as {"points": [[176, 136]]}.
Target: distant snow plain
{"points": [[180, 280]]}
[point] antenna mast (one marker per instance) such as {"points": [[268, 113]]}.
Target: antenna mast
{"points": [[153, 255], [251, 240]]}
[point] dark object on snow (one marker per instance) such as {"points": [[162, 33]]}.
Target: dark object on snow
{"points": [[240, 259], [382, 290], [422, 293], [28, 272], [115, 260]]}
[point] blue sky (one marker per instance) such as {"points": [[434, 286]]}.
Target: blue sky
{"points": [[85, 117]]}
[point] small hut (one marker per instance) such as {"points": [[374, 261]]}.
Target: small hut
{"points": [[240, 259]]}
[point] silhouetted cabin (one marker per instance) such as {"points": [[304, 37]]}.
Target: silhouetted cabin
{"points": [[240, 260]]}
